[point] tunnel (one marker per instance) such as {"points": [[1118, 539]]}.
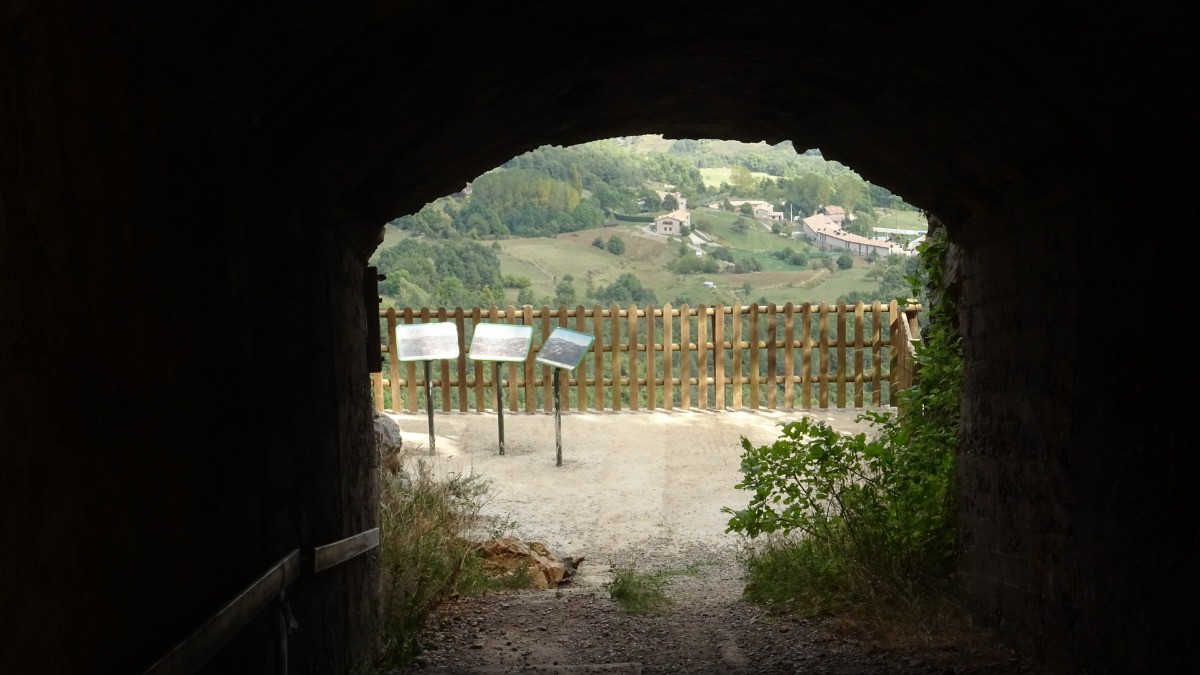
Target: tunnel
{"points": [[190, 192]]}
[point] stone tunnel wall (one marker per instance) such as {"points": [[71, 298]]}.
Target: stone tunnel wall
{"points": [[1069, 497], [157, 292]]}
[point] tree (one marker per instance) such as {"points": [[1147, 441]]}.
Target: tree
{"points": [[616, 245], [525, 296], [692, 264], [894, 281], [598, 242], [669, 202], [564, 293], [845, 261], [741, 179], [576, 179], [746, 209], [649, 200], [626, 289]]}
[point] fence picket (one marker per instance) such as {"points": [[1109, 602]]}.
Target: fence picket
{"points": [[702, 346], [754, 347], [719, 355], [614, 347], [789, 357], [685, 358], [858, 354], [668, 356], [598, 355], [547, 371], [632, 351], [738, 346], [841, 355], [411, 366], [651, 365], [876, 351]]}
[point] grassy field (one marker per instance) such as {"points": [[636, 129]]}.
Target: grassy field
{"points": [[546, 261], [902, 220], [757, 238], [714, 177]]}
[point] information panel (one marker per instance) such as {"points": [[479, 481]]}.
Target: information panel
{"points": [[427, 341], [500, 342], [564, 348]]}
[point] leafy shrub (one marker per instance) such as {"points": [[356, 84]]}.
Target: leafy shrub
{"points": [[851, 518]]}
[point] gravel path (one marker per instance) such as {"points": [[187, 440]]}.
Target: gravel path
{"points": [[642, 491]]}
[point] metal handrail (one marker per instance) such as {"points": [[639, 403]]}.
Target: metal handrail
{"points": [[191, 653]]}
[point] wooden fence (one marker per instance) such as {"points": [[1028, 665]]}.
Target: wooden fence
{"points": [[707, 357]]}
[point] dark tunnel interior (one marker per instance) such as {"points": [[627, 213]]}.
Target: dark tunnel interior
{"points": [[189, 193]]}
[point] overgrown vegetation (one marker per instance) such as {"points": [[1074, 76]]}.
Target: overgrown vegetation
{"points": [[643, 593], [425, 555], [854, 522]]}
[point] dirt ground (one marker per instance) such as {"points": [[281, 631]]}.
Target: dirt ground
{"points": [[642, 490]]}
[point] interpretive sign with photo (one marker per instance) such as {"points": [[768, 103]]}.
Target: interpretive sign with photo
{"points": [[427, 341], [500, 342], [564, 348]]}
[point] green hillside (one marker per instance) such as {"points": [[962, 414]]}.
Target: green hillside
{"points": [[542, 228]]}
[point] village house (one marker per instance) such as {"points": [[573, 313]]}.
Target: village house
{"points": [[828, 235], [767, 213], [835, 213], [679, 198], [673, 222]]}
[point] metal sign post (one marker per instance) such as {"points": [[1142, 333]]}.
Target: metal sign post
{"points": [[557, 419], [499, 405], [500, 342], [564, 348], [429, 407], [427, 342]]}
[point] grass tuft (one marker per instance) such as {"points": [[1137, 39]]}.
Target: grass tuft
{"points": [[424, 555], [643, 593]]}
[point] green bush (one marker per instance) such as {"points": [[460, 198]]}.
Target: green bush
{"points": [[851, 518]]}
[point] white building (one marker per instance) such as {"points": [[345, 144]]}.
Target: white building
{"points": [[828, 235]]}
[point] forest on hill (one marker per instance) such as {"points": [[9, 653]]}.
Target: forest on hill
{"points": [[568, 225]]}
